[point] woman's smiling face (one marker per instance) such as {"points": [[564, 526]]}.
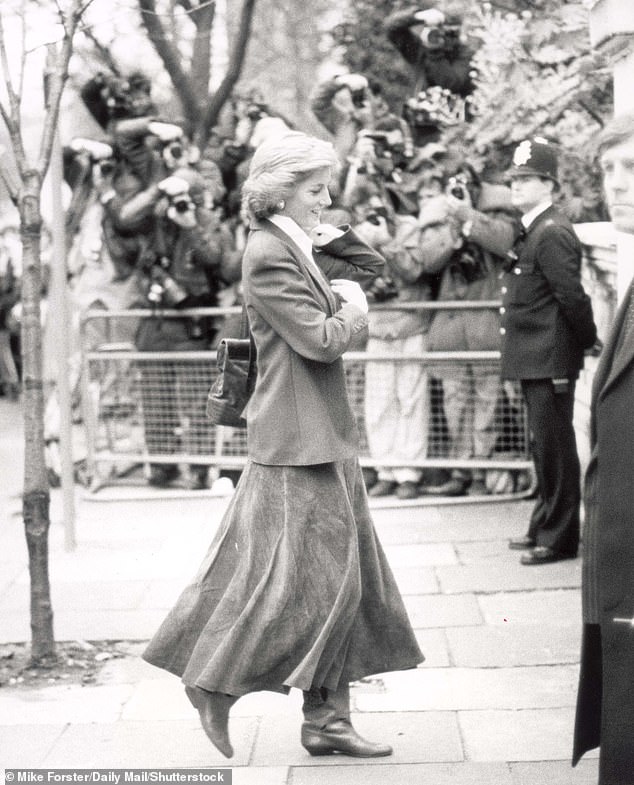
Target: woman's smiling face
{"points": [[310, 197]]}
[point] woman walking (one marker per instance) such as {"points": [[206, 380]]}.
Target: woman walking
{"points": [[295, 590]]}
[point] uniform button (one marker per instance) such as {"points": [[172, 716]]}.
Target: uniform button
{"points": [[517, 270], [502, 331], [502, 309], [504, 290]]}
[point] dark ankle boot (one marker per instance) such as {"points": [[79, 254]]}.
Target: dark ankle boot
{"points": [[327, 728], [213, 710]]}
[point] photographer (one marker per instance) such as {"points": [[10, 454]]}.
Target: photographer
{"points": [[112, 97], [467, 233], [431, 42], [396, 393], [184, 256], [343, 106]]}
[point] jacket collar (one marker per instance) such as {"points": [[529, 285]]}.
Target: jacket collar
{"points": [[311, 269], [536, 219], [534, 213]]}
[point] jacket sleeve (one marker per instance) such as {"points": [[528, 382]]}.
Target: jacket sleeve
{"points": [[349, 257], [277, 289], [398, 28], [559, 258], [493, 233]]}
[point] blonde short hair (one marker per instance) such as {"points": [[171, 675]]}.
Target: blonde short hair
{"points": [[278, 166]]}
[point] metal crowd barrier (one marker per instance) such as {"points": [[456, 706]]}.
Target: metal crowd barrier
{"points": [[117, 382]]}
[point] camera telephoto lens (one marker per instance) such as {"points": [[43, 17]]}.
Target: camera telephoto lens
{"points": [[182, 205]]}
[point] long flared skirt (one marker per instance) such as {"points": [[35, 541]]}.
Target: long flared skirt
{"points": [[295, 590]]}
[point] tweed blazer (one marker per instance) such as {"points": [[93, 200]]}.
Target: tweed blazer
{"points": [[299, 412], [604, 701], [547, 319]]}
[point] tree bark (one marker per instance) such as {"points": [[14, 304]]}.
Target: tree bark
{"points": [[36, 499]]}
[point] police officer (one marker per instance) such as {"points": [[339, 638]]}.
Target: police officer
{"points": [[547, 323]]}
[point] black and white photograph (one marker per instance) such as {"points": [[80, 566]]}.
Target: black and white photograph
{"points": [[316, 392]]}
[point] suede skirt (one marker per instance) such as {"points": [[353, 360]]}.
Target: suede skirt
{"points": [[295, 590]]}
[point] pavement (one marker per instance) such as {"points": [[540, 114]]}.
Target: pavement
{"points": [[492, 705]]}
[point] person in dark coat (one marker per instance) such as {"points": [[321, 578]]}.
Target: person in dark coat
{"points": [[295, 590], [547, 324], [605, 702]]}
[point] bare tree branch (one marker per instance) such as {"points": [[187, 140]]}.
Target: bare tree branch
{"points": [[14, 101], [203, 19], [171, 58], [103, 50], [236, 62], [56, 79]]}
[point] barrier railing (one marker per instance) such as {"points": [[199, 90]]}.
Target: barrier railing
{"points": [[141, 408]]}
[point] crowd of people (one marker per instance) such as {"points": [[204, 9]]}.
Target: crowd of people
{"points": [[154, 222]]}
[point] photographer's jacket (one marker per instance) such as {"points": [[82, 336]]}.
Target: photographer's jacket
{"points": [[299, 412], [448, 67], [547, 320]]}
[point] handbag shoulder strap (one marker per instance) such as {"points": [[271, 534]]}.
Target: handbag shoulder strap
{"points": [[245, 332]]}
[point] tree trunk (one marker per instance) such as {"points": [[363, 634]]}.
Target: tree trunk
{"points": [[36, 499]]}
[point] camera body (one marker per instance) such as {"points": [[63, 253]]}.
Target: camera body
{"points": [[457, 187], [375, 215], [445, 37], [382, 289], [164, 290]]}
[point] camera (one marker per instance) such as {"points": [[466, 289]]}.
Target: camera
{"points": [[164, 290], [382, 289], [445, 37], [457, 187], [376, 214], [182, 203]]}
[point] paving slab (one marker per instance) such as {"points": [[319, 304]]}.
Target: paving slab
{"points": [[506, 575], [260, 775], [22, 748], [440, 610], [56, 704], [147, 745], [425, 555], [406, 774], [446, 689], [562, 606], [510, 645], [586, 772], [416, 580], [523, 735], [434, 645], [415, 736]]}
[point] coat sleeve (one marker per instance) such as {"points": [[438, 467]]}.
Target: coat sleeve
{"points": [[349, 257], [279, 292], [559, 259]]}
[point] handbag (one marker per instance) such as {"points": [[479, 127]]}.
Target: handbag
{"points": [[237, 370]]}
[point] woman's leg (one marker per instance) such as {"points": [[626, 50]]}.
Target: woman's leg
{"points": [[213, 709], [327, 728]]}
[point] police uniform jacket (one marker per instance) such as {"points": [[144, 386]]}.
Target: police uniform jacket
{"points": [[299, 412], [547, 320]]}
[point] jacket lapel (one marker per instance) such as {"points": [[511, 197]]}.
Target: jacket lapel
{"points": [[614, 362], [311, 271]]}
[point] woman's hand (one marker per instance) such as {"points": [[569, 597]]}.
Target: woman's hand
{"points": [[350, 292], [323, 234]]}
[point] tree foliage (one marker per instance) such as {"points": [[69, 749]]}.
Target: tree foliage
{"points": [[534, 73]]}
